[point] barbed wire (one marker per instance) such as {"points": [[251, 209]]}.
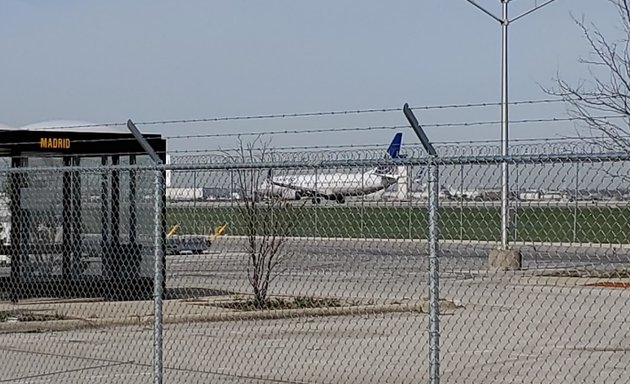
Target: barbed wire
{"points": [[384, 127], [522, 121], [326, 130], [288, 132], [558, 139], [351, 112], [530, 139], [314, 114], [345, 112]]}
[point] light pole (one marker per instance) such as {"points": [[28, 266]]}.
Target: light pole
{"points": [[505, 21]]}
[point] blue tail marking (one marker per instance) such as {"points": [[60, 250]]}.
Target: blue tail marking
{"points": [[393, 151], [394, 148]]}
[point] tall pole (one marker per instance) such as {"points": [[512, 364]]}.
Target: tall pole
{"points": [[505, 189], [505, 22]]}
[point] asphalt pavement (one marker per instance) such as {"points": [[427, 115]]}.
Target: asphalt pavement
{"points": [[509, 327], [375, 269]]}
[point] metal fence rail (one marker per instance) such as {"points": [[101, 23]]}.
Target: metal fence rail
{"points": [[279, 269]]}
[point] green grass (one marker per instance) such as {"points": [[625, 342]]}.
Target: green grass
{"points": [[596, 225]]}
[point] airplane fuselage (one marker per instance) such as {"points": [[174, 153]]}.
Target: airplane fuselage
{"points": [[334, 186]]}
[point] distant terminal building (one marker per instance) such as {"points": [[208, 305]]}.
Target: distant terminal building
{"points": [[530, 195], [184, 194]]}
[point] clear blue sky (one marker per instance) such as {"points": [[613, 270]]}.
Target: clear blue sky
{"points": [[104, 61]]}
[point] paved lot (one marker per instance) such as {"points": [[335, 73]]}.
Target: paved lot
{"points": [[521, 333], [512, 327]]}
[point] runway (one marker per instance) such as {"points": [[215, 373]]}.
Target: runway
{"points": [[450, 203]]}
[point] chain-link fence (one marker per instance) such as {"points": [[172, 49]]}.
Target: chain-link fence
{"points": [[77, 271], [303, 267], [555, 308]]}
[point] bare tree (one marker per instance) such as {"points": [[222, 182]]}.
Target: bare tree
{"points": [[265, 224], [602, 103]]}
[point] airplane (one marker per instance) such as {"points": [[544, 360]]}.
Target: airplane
{"points": [[338, 186]]}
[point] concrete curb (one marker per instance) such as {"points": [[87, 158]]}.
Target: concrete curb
{"points": [[520, 243], [568, 281], [146, 321]]}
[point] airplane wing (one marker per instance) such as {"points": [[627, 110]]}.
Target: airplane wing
{"points": [[302, 190]]}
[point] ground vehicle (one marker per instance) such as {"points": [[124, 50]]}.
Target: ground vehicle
{"points": [[180, 245]]}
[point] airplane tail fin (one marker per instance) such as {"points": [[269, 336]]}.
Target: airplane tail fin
{"points": [[393, 152], [394, 147]]}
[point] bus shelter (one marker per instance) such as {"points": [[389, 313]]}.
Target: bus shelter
{"points": [[80, 218]]}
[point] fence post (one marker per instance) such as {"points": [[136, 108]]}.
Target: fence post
{"points": [[362, 202], [194, 189], [232, 224], [158, 277], [434, 274], [409, 198], [315, 201], [576, 205], [434, 261], [157, 281], [461, 202], [517, 205]]}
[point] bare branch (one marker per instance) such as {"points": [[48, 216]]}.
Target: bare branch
{"points": [[608, 89], [264, 226]]}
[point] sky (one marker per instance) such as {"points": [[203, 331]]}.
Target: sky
{"points": [[148, 60]]}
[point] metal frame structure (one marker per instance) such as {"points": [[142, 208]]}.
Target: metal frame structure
{"points": [[115, 282]]}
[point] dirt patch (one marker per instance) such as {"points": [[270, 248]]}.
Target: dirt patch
{"points": [[599, 277], [622, 273], [610, 284], [27, 316], [193, 293], [279, 304]]}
